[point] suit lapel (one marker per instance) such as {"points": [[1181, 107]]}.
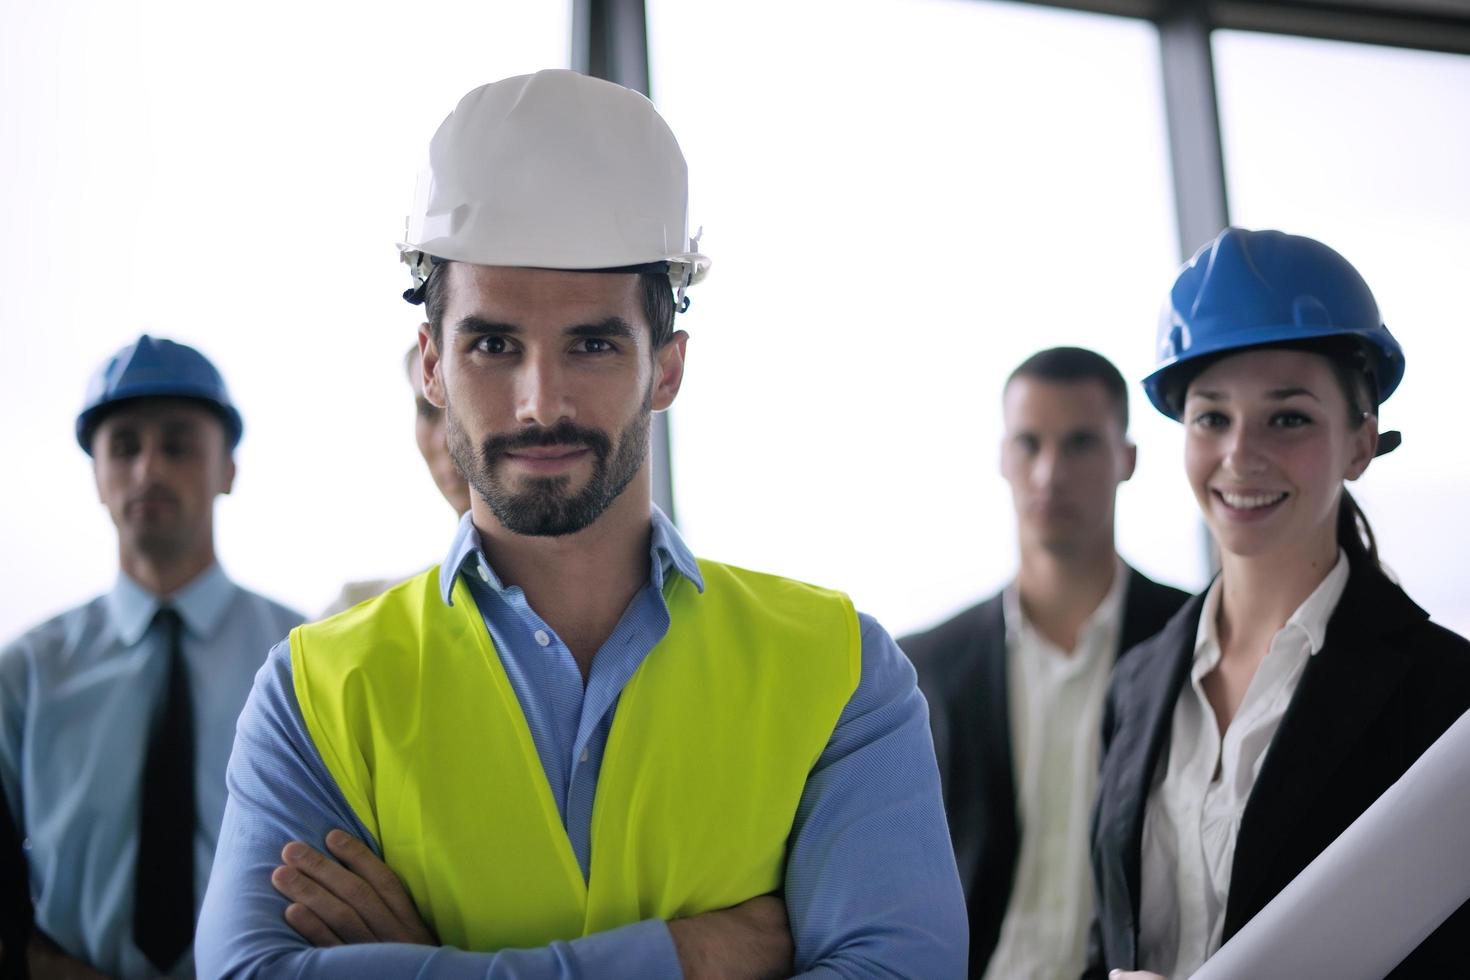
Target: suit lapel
{"points": [[1147, 607], [1131, 630], [1340, 696], [1143, 723], [1142, 708], [992, 733]]}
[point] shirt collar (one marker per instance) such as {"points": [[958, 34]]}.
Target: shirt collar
{"points": [[1106, 613], [1311, 616], [200, 604], [667, 552]]}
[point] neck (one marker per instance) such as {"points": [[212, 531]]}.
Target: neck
{"points": [[1260, 592], [165, 575], [581, 583], [1060, 592]]}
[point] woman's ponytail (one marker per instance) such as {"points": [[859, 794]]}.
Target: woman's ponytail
{"points": [[1354, 534]]}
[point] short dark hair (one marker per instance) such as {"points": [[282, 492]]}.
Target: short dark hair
{"points": [[658, 304], [1072, 364]]}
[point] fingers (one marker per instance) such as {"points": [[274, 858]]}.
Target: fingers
{"points": [[310, 926], [358, 858], [354, 903], [339, 918]]}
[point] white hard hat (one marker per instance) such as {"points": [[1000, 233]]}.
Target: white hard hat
{"points": [[554, 170]]}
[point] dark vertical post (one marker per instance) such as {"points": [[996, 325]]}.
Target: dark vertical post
{"points": [[1197, 158], [610, 40], [1193, 118]]}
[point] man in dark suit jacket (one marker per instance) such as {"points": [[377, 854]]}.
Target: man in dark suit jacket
{"points": [[1016, 684]]}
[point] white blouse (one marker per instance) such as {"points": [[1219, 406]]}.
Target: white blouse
{"points": [[1194, 811]]}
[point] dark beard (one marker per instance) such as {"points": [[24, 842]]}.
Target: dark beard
{"points": [[542, 507]]}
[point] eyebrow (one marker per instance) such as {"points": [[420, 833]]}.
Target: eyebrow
{"points": [[1275, 394], [1281, 394], [612, 327], [479, 325]]}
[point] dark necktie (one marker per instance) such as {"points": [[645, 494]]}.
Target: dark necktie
{"points": [[163, 894]]}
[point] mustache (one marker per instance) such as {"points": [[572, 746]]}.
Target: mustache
{"points": [[154, 495], [564, 433]]}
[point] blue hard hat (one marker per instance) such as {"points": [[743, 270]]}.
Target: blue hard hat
{"points": [[153, 368], [1262, 288]]}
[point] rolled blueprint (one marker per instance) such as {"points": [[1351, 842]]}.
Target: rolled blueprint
{"points": [[1377, 891]]}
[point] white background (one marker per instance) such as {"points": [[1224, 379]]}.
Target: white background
{"points": [[903, 198], [234, 177]]}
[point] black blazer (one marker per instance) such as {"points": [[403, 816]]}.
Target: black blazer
{"points": [[1385, 685], [962, 672]]}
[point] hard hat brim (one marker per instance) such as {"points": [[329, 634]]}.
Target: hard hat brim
{"points": [[1156, 385], [683, 268], [91, 418]]}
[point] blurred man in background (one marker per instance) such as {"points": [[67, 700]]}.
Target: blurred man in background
{"points": [[1016, 683], [117, 717], [429, 434]]}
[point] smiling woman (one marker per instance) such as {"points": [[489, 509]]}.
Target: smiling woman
{"points": [[1274, 708], [1271, 436]]}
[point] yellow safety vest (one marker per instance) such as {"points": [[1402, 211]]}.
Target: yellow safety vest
{"points": [[715, 734]]}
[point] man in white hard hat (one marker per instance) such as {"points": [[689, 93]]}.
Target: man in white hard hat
{"points": [[429, 433], [116, 717], [573, 749]]}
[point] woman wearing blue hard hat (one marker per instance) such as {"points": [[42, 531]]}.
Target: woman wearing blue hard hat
{"points": [[1277, 706]]}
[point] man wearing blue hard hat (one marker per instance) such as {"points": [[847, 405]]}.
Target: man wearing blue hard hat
{"points": [[117, 716]]}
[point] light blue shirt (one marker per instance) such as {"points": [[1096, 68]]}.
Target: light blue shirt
{"points": [[76, 697], [870, 886]]}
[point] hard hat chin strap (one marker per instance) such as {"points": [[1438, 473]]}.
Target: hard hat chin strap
{"points": [[422, 268], [681, 278], [686, 272]]}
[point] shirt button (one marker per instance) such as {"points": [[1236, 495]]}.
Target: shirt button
{"points": [[584, 755], [542, 637], [484, 572]]}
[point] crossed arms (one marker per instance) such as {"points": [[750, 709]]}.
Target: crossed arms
{"points": [[870, 883]]}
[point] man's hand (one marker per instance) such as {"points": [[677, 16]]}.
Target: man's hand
{"points": [[749, 941], [359, 900]]}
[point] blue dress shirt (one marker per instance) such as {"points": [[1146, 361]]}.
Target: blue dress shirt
{"points": [[870, 887], [76, 697]]}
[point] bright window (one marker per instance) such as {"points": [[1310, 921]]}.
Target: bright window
{"points": [[903, 199], [234, 177], [1367, 149]]}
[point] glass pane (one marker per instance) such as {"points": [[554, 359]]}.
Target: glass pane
{"points": [[1367, 149], [235, 177], [903, 199]]}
